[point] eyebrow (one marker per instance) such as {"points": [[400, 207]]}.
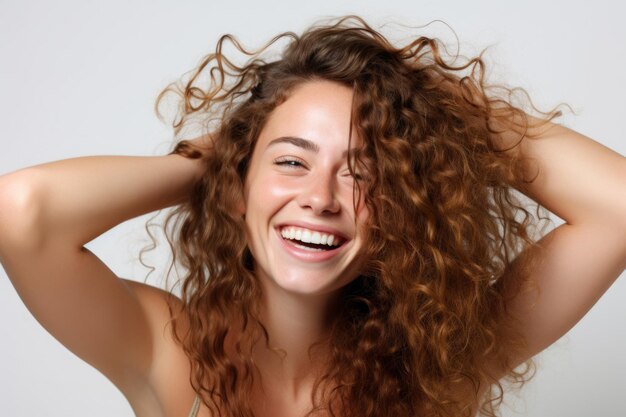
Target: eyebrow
{"points": [[305, 144]]}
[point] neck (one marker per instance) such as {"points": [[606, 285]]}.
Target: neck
{"points": [[294, 323]]}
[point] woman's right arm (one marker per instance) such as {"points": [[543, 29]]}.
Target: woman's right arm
{"points": [[48, 212]]}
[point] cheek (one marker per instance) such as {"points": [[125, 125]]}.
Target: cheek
{"points": [[362, 212], [273, 190], [264, 196], [362, 218]]}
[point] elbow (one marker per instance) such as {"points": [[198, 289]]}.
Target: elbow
{"points": [[19, 211]]}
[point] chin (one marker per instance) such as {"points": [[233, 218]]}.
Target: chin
{"points": [[307, 284]]}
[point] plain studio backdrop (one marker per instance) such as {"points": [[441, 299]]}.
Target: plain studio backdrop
{"points": [[80, 78]]}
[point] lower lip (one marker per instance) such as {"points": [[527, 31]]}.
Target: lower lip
{"points": [[308, 255]]}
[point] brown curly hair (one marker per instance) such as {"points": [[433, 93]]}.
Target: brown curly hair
{"points": [[424, 329]]}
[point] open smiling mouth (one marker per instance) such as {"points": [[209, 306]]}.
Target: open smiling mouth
{"points": [[311, 240]]}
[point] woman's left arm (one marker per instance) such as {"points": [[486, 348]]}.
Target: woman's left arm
{"points": [[583, 183]]}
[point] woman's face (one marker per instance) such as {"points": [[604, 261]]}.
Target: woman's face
{"points": [[302, 228]]}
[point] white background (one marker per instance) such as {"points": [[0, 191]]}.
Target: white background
{"points": [[80, 78]]}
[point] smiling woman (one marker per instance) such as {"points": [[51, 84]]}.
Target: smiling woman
{"points": [[352, 234], [311, 196]]}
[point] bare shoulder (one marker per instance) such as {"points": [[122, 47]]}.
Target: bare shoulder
{"points": [[167, 390], [156, 302]]}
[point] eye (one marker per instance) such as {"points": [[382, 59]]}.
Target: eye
{"points": [[357, 176], [289, 161]]}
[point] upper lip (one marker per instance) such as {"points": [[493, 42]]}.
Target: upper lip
{"points": [[317, 227]]}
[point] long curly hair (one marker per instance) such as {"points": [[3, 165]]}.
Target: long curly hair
{"points": [[424, 329]]}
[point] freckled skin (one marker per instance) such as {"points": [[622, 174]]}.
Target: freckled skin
{"points": [[288, 183]]}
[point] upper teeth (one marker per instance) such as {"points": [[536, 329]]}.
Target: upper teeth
{"points": [[309, 236]]}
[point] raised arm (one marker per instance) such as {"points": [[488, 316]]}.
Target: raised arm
{"points": [[47, 213], [584, 183]]}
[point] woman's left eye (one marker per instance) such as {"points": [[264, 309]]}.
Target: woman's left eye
{"points": [[356, 176]]}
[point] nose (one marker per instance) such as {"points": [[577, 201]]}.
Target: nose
{"points": [[319, 195]]}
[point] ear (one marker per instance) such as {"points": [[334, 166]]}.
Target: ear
{"points": [[240, 207], [240, 203]]}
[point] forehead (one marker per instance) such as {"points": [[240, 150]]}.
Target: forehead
{"points": [[316, 111]]}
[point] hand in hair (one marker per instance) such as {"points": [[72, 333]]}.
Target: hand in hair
{"points": [[195, 148]]}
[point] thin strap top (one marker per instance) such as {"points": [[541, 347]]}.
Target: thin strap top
{"points": [[195, 407]]}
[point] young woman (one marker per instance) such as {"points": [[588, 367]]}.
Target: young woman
{"points": [[352, 235]]}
